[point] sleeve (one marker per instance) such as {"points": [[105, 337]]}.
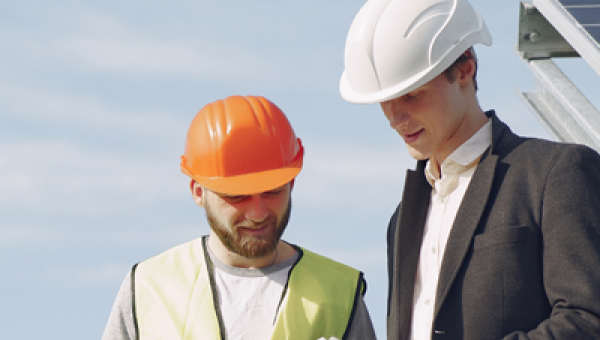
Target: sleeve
{"points": [[391, 235], [361, 327], [120, 325], [571, 247]]}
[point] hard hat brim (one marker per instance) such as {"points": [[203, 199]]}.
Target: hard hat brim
{"points": [[383, 95], [252, 183], [414, 82]]}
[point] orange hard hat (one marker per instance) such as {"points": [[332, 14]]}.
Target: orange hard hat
{"points": [[241, 146]]}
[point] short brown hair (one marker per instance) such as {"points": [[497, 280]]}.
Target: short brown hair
{"points": [[468, 54]]}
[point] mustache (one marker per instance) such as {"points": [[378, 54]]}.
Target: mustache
{"points": [[247, 223]]}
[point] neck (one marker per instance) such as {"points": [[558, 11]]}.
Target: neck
{"points": [[474, 120], [282, 252]]}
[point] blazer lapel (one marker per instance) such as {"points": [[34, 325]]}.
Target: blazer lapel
{"points": [[469, 214], [407, 245]]}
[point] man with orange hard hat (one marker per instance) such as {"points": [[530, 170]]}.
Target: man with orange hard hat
{"points": [[241, 281]]}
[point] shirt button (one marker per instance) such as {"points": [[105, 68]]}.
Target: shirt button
{"points": [[427, 302], [433, 250]]}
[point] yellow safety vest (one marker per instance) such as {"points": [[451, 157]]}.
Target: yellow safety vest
{"points": [[173, 297]]}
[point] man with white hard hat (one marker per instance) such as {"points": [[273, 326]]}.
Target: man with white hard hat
{"points": [[496, 236], [241, 282]]}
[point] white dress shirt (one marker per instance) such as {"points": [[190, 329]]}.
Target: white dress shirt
{"points": [[447, 193]]}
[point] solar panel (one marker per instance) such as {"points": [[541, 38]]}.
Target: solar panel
{"points": [[587, 14], [578, 21], [578, 2]]}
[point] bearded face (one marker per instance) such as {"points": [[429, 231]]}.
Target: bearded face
{"points": [[251, 246]]}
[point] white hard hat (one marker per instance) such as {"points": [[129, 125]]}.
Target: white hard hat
{"points": [[396, 46]]}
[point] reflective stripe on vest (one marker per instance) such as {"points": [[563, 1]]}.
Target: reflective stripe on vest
{"points": [[173, 297]]}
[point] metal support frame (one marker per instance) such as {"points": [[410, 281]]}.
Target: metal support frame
{"points": [[563, 110]]}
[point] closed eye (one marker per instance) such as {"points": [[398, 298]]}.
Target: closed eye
{"points": [[413, 95], [235, 199], [274, 192]]}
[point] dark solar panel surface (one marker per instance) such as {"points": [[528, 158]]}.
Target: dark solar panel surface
{"points": [[586, 13], [585, 16], [579, 2]]}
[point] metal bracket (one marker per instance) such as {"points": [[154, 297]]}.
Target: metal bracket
{"points": [[563, 110], [538, 38]]}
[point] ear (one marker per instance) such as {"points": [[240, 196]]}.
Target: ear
{"points": [[466, 71], [197, 192]]}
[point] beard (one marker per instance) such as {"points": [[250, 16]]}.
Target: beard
{"points": [[251, 247]]}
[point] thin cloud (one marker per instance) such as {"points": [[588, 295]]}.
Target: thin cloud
{"points": [[84, 112], [335, 175], [64, 176], [30, 235]]}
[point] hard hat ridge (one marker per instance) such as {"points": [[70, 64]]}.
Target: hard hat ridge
{"points": [[241, 145]]}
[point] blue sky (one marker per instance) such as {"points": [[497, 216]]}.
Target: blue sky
{"points": [[95, 101]]}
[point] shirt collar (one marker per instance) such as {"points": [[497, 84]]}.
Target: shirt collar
{"points": [[465, 155]]}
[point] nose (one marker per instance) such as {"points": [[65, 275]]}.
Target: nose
{"points": [[257, 210], [396, 114]]}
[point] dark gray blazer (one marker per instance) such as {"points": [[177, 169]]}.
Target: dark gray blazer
{"points": [[523, 257]]}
